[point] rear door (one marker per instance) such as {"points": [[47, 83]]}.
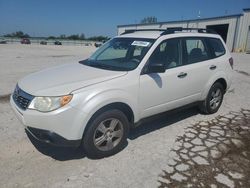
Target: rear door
{"points": [[200, 64]]}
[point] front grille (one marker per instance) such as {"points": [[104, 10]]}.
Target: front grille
{"points": [[21, 98]]}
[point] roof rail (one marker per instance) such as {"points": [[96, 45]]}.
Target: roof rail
{"points": [[180, 29], [171, 30], [127, 31]]}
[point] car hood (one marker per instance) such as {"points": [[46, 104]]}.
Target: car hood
{"points": [[64, 79]]}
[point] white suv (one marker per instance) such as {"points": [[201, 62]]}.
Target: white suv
{"points": [[138, 74]]}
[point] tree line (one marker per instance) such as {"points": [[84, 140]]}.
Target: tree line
{"points": [[20, 34], [80, 37]]}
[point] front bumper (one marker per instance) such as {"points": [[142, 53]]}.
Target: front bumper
{"points": [[51, 137], [62, 127]]}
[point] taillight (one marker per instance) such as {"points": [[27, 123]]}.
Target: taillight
{"points": [[231, 62]]}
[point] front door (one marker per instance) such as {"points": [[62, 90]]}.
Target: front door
{"points": [[182, 83]]}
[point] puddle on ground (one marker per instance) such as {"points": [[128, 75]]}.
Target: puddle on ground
{"points": [[212, 153]]}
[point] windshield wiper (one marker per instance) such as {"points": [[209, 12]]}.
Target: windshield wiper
{"points": [[96, 64]]}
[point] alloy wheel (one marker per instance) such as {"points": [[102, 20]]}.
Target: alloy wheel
{"points": [[216, 97], [108, 134]]}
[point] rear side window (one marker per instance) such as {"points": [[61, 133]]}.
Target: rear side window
{"points": [[217, 48], [196, 50]]}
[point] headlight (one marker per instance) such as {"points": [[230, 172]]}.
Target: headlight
{"points": [[47, 104]]}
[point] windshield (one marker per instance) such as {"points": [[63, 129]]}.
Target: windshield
{"points": [[120, 54]]}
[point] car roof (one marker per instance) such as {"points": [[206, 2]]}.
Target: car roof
{"points": [[142, 34], [156, 34]]}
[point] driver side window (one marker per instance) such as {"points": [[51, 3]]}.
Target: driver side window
{"points": [[167, 53]]}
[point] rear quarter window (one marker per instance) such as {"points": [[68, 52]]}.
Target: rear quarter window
{"points": [[216, 46]]}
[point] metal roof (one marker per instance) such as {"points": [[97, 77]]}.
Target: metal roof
{"points": [[181, 21]]}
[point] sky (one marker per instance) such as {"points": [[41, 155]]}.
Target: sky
{"points": [[101, 17]]}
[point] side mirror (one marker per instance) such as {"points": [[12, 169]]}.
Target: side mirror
{"points": [[156, 68]]}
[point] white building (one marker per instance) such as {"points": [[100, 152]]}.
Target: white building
{"points": [[234, 29]]}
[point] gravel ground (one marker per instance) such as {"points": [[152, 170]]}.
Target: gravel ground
{"points": [[151, 148]]}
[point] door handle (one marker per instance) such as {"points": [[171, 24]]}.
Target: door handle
{"points": [[212, 67], [182, 75]]}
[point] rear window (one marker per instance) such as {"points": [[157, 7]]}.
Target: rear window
{"points": [[217, 47]]}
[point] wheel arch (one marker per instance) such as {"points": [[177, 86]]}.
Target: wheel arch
{"points": [[123, 107], [219, 77], [110, 99], [223, 82]]}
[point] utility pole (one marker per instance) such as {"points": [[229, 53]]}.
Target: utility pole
{"points": [[135, 24], [199, 16]]}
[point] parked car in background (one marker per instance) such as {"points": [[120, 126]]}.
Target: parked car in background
{"points": [[98, 44], [103, 41], [43, 42], [25, 41], [57, 43], [95, 102], [3, 42], [88, 44]]}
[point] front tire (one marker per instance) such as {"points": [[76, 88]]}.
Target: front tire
{"points": [[106, 134], [213, 100]]}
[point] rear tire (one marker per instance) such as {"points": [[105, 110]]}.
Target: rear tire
{"points": [[213, 100], [106, 134]]}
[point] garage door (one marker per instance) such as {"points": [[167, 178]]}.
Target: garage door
{"points": [[248, 41]]}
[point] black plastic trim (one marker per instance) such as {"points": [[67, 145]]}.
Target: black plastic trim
{"points": [[51, 138], [127, 31], [21, 98]]}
